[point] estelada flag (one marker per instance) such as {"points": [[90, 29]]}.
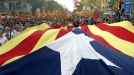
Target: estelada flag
{"points": [[104, 33], [78, 51], [31, 15], [96, 15], [23, 18], [1, 21]]}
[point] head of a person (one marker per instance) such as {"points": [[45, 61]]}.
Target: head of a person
{"points": [[35, 23], [83, 19], [26, 25], [0, 24], [66, 22], [75, 19], [7, 29], [70, 21], [59, 20], [19, 29], [15, 27]]}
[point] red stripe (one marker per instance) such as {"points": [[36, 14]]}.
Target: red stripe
{"points": [[56, 26], [86, 29], [61, 33], [23, 48], [69, 28], [96, 37], [118, 31]]}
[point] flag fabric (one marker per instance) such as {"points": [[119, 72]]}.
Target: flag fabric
{"points": [[31, 15], [116, 35], [96, 16], [101, 49], [76, 53], [1, 21], [77, 2], [14, 15], [92, 11], [103, 36], [23, 18], [93, 31]]}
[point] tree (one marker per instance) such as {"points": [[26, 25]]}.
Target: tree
{"points": [[79, 8], [86, 3], [113, 4], [49, 5]]}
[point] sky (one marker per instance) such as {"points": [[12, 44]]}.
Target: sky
{"points": [[68, 4]]}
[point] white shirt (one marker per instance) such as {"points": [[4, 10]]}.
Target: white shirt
{"points": [[70, 24], [22, 27], [3, 40], [15, 32], [12, 34], [50, 23]]}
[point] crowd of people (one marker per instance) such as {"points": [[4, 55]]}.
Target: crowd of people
{"points": [[12, 27]]}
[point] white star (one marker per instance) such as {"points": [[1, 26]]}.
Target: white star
{"points": [[72, 49]]}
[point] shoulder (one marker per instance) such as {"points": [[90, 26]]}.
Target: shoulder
{"points": [[12, 33], [4, 33], [18, 32], [5, 38]]}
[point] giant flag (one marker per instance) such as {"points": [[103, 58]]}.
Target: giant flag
{"points": [[75, 53], [111, 35]]}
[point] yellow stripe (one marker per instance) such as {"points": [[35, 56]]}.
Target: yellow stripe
{"points": [[122, 45], [125, 24], [43, 26], [11, 60], [48, 37]]}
